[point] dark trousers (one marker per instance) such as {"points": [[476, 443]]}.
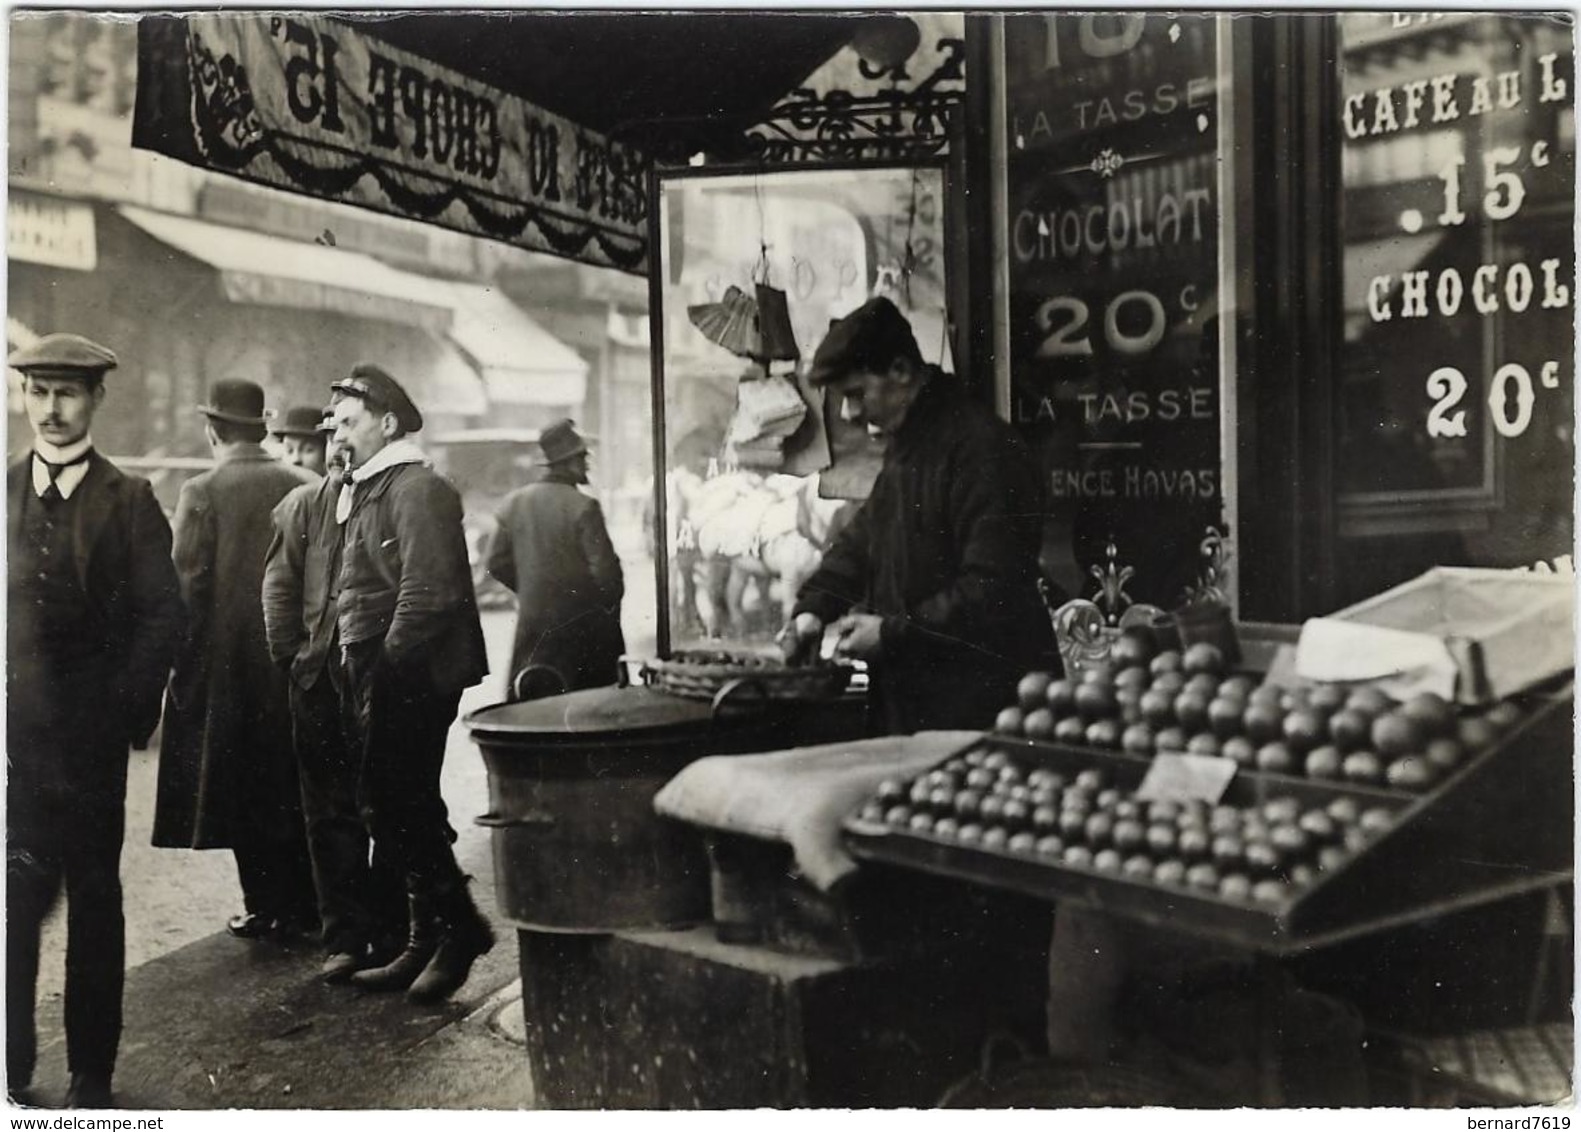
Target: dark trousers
{"points": [[270, 846], [359, 899], [75, 839], [397, 721]]}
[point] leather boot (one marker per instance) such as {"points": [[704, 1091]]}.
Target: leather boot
{"points": [[89, 1090], [464, 936], [421, 940]]}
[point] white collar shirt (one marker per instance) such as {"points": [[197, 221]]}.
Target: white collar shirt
{"points": [[71, 475]]}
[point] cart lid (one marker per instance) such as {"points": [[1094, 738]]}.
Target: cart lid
{"points": [[596, 711]]}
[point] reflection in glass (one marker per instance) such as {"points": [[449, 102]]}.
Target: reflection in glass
{"points": [[760, 472]]}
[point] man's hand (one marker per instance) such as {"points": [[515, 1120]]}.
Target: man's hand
{"points": [[799, 640], [859, 636]]}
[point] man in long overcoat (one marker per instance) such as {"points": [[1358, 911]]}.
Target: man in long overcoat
{"points": [[227, 775], [93, 615], [553, 550]]}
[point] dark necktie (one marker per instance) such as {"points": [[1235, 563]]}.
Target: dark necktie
{"points": [[52, 494]]}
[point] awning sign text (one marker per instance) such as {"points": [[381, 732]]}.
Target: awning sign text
{"points": [[315, 105]]}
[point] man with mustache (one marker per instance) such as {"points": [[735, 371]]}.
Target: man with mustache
{"points": [[360, 905], [410, 641], [93, 617]]}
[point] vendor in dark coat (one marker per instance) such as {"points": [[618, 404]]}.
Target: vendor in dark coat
{"points": [[936, 576], [93, 616], [553, 550], [227, 774]]}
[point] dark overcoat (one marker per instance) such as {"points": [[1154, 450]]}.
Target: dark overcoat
{"points": [[553, 550], [71, 734], [227, 736], [945, 550], [405, 581]]}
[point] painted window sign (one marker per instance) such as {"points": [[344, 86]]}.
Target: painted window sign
{"points": [[1113, 262], [1460, 152], [1458, 173]]}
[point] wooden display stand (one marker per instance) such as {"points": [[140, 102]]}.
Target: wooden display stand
{"points": [[681, 1020]]}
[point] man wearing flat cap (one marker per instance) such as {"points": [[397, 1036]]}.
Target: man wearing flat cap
{"points": [[934, 582], [553, 550], [227, 774], [361, 907], [303, 442], [410, 642], [93, 616]]}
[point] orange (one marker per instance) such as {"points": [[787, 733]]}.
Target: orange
{"points": [[1033, 690], [1397, 734], [1038, 724]]}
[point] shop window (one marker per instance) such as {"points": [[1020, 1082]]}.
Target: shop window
{"points": [[1454, 399], [760, 471], [1113, 158]]}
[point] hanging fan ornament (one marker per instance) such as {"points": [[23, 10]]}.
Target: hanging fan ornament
{"points": [[758, 329]]}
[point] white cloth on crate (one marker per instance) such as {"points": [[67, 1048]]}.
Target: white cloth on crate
{"points": [[801, 797]]}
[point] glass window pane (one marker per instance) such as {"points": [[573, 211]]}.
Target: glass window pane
{"points": [[760, 471], [1113, 158], [1455, 404]]}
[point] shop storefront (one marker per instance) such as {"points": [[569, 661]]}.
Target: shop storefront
{"points": [[1283, 307]]}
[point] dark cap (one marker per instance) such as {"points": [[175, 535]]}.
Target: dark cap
{"points": [[870, 337], [382, 392], [235, 400], [300, 420], [63, 355], [560, 441]]}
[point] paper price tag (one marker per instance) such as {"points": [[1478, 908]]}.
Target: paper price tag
{"points": [[1187, 778]]}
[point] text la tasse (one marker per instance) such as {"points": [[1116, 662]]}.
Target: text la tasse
{"points": [[1195, 403]]}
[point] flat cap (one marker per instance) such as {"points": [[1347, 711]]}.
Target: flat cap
{"points": [[63, 355], [870, 337], [382, 392]]}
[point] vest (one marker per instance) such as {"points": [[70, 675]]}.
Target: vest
{"points": [[45, 593]]}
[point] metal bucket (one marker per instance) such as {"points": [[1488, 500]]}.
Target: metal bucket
{"points": [[577, 845]]}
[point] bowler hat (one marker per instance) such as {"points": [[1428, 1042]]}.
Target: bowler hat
{"points": [[373, 385], [63, 355], [560, 441], [235, 400], [870, 337], [300, 420]]}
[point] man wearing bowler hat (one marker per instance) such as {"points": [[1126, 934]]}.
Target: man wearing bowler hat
{"points": [[410, 642], [303, 443], [227, 774], [553, 550], [934, 582], [93, 615]]}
